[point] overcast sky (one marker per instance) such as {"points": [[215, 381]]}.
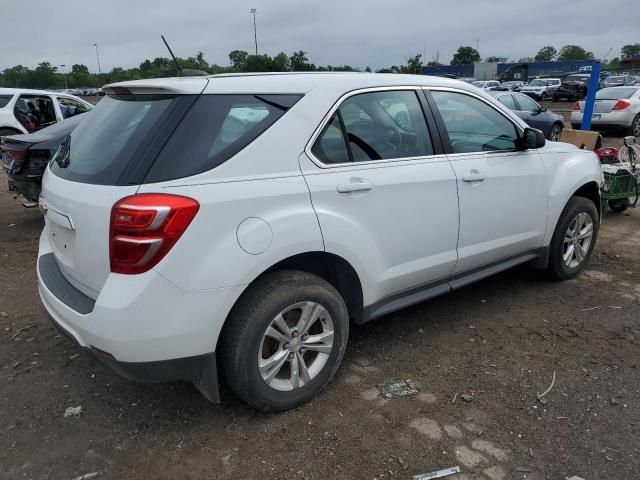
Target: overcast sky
{"points": [[355, 32]]}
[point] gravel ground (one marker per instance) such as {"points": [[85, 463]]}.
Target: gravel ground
{"points": [[479, 356]]}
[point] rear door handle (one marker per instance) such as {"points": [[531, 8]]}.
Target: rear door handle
{"points": [[355, 185], [473, 176]]}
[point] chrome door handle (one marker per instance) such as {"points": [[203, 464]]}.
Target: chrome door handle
{"points": [[473, 176], [354, 185]]}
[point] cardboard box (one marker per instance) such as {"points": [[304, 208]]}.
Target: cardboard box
{"points": [[580, 138]]}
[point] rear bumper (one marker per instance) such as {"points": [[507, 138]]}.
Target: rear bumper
{"points": [[142, 326], [611, 119], [201, 370]]}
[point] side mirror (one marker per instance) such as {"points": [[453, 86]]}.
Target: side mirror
{"points": [[542, 109], [531, 138]]}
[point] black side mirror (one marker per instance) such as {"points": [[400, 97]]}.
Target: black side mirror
{"points": [[542, 109], [531, 138]]}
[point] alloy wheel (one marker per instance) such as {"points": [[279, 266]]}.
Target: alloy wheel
{"points": [[296, 346], [577, 240]]}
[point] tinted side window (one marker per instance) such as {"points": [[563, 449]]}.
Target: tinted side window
{"points": [[215, 129], [4, 99], [331, 146], [377, 126], [507, 101], [70, 107], [473, 125], [526, 104]]}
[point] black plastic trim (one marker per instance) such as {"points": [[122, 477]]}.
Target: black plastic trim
{"points": [[201, 370], [433, 289], [63, 290]]}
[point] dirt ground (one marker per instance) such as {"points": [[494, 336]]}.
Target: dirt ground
{"points": [[479, 356]]}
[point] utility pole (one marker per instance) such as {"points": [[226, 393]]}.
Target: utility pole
{"points": [[253, 11], [98, 57]]}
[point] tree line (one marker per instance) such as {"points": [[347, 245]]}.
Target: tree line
{"points": [[46, 75]]}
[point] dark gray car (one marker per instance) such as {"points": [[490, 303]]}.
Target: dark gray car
{"points": [[531, 112]]}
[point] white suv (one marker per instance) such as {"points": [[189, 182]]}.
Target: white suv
{"points": [[235, 224], [26, 111]]}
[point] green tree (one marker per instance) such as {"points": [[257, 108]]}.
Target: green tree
{"points": [[238, 59], [494, 59], [465, 56], [546, 54], [414, 65], [368, 69], [630, 50], [281, 63], [300, 63], [44, 76], [574, 52], [614, 63]]}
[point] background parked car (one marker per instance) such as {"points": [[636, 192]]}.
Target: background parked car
{"points": [[512, 85], [541, 88], [616, 107], [25, 157], [535, 115], [617, 81], [486, 85], [27, 111], [570, 90]]}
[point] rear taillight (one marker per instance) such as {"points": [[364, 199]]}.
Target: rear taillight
{"points": [[621, 105], [145, 227], [576, 106]]}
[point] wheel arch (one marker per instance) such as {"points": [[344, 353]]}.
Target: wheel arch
{"points": [[328, 266], [590, 191], [14, 130]]}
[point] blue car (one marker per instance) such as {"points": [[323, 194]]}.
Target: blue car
{"points": [[531, 112]]}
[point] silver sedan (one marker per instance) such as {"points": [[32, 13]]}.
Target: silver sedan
{"points": [[617, 107]]}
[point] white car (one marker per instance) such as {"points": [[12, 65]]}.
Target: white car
{"points": [[486, 85], [186, 238], [617, 107], [27, 111], [541, 88]]}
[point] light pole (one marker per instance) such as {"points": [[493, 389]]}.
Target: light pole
{"points": [[66, 87], [253, 11], [98, 57]]}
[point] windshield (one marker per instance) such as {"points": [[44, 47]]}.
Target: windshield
{"points": [[539, 83], [478, 84], [615, 93], [576, 78], [614, 79]]}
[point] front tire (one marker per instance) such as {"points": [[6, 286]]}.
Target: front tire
{"points": [[573, 239], [556, 133], [284, 340]]}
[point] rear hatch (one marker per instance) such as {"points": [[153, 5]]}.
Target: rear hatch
{"points": [[608, 98], [102, 161]]}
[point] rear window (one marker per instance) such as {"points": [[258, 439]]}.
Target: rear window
{"points": [[214, 130], [615, 93], [113, 145], [4, 100]]}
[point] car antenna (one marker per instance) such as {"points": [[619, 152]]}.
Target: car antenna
{"points": [[187, 72], [175, 60]]}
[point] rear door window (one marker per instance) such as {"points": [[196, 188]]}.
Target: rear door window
{"points": [[377, 126], [70, 107], [526, 104], [35, 112], [4, 100], [507, 101]]}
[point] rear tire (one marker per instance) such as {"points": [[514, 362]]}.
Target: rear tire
{"points": [[573, 239], [634, 129], [256, 343], [620, 205]]}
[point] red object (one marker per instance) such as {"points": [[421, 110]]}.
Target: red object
{"points": [[621, 105], [145, 227], [17, 153], [576, 106], [607, 154]]}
